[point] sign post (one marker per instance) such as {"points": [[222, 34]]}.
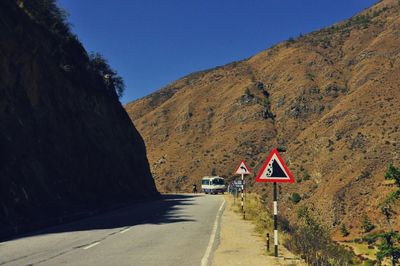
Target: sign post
{"points": [[243, 191], [242, 170], [275, 221], [275, 170]]}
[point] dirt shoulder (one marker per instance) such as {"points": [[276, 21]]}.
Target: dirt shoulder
{"points": [[240, 245]]}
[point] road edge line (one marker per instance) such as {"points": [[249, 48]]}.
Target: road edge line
{"points": [[91, 245], [204, 260], [125, 230]]}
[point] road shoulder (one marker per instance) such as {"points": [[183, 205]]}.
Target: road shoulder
{"points": [[240, 245]]}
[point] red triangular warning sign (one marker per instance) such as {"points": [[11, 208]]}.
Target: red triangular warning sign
{"points": [[242, 169], [275, 170]]}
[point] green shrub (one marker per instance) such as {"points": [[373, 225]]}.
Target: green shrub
{"points": [[306, 176], [344, 231], [393, 173], [367, 225], [295, 197]]}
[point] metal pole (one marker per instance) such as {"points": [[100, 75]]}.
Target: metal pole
{"points": [[243, 197], [275, 221], [234, 195]]}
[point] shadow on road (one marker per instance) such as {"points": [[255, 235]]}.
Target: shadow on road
{"points": [[159, 211]]}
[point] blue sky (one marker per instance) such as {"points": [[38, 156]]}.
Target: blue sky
{"points": [[154, 42]]}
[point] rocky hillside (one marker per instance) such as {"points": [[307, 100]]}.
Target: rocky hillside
{"points": [[331, 98], [66, 143]]}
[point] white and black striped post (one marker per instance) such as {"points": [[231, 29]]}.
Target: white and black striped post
{"points": [[243, 191], [275, 221]]}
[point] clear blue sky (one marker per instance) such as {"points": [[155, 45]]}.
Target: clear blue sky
{"points": [[154, 42]]}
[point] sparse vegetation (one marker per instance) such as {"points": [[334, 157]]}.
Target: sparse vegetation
{"points": [[312, 241], [309, 239], [290, 41], [110, 77], [48, 14], [310, 76], [257, 211], [368, 263], [389, 241]]}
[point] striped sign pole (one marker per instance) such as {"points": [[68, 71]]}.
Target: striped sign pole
{"points": [[242, 170], [243, 191], [275, 221]]}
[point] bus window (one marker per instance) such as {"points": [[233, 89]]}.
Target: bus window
{"points": [[218, 182], [205, 182]]}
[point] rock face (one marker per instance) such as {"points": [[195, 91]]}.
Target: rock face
{"points": [[331, 97], [66, 143]]}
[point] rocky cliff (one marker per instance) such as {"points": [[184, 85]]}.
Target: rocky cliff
{"points": [[66, 143], [330, 97]]}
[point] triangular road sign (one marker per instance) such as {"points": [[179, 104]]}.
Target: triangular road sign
{"points": [[242, 169], [275, 170]]}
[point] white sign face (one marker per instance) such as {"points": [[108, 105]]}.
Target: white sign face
{"points": [[242, 169], [275, 170]]}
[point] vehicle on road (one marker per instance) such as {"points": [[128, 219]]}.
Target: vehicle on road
{"points": [[213, 184]]}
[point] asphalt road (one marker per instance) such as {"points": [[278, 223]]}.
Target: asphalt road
{"points": [[176, 230]]}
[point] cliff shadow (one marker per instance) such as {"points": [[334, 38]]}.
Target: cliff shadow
{"points": [[166, 209]]}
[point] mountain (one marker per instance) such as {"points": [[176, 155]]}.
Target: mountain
{"points": [[67, 145], [331, 98]]}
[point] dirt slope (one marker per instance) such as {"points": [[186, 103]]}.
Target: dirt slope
{"points": [[331, 97]]}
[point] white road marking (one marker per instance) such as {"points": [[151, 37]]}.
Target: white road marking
{"points": [[204, 260], [125, 230], [92, 245]]}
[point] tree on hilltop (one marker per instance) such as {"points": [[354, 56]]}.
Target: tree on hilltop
{"points": [[111, 78]]}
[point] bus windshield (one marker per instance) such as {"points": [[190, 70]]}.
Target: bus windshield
{"points": [[205, 182]]}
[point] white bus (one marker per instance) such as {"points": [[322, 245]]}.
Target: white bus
{"points": [[213, 185]]}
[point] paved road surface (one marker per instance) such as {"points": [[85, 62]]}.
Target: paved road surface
{"points": [[176, 230]]}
